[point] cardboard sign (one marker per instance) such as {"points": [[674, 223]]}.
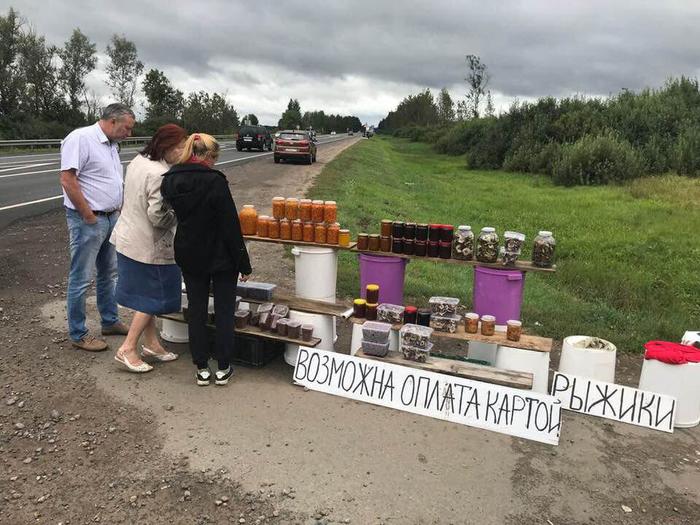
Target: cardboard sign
{"points": [[616, 402], [524, 414]]}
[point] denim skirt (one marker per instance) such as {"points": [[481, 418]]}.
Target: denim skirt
{"points": [[149, 288]]}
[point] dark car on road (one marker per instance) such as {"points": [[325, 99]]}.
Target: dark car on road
{"points": [[253, 137], [295, 144]]}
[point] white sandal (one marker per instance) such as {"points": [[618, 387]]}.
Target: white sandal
{"points": [[167, 356], [139, 369]]}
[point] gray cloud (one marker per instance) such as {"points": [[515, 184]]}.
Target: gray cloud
{"points": [[364, 56]]}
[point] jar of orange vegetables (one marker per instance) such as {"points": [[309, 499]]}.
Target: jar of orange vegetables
{"points": [[248, 218]]}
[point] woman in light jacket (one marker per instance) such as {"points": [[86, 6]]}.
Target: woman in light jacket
{"points": [[149, 281]]}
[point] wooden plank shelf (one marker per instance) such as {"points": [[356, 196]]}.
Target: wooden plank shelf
{"points": [[487, 374], [252, 330], [342, 310], [298, 243], [523, 266], [527, 342]]}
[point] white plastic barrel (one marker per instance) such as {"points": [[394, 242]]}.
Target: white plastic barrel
{"points": [[324, 328], [316, 271], [679, 381], [593, 363], [174, 331], [520, 360]]}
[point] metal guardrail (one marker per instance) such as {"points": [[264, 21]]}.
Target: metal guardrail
{"points": [[43, 143]]}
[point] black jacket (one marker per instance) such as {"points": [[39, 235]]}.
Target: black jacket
{"points": [[208, 237]]}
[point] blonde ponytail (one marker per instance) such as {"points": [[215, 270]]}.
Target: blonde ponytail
{"points": [[199, 146]]}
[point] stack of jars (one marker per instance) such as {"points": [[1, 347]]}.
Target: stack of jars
{"points": [[409, 238], [303, 220]]}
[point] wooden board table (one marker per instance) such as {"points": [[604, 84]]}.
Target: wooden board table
{"points": [[343, 310], [487, 374], [298, 243]]}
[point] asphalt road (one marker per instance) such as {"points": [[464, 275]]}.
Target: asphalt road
{"points": [[29, 183]]}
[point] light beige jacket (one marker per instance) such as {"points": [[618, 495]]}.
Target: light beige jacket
{"points": [[146, 227]]}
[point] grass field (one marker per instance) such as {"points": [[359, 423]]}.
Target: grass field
{"points": [[628, 256]]}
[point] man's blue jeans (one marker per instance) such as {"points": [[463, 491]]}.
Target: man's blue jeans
{"points": [[90, 250]]}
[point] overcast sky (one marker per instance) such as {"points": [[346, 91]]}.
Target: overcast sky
{"points": [[362, 57]]}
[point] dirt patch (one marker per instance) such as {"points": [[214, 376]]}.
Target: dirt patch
{"points": [[156, 449]]}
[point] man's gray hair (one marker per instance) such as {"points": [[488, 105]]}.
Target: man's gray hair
{"points": [[117, 111]]}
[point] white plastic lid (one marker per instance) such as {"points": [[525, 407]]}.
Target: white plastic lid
{"points": [[464, 227], [488, 229], [249, 205], [515, 235], [513, 322], [277, 198], [488, 318], [472, 315], [545, 233]]}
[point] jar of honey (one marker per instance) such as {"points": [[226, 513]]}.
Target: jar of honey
{"points": [[409, 230], [421, 232], [263, 221], [397, 230], [362, 242], [385, 243], [291, 208], [308, 232], [397, 245], [285, 229], [333, 233], [372, 293], [305, 210], [278, 207], [409, 246], [297, 230], [445, 250], [344, 237], [371, 311], [374, 243], [386, 228], [420, 248], [433, 249], [248, 218], [435, 232], [330, 212], [317, 211], [273, 229], [488, 325], [320, 233], [358, 307]]}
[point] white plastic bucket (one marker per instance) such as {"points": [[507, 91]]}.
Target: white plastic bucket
{"points": [[593, 363], [356, 340], [316, 271], [324, 328], [679, 381], [174, 331], [519, 360]]}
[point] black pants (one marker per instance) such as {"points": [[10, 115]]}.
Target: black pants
{"points": [[224, 306]]}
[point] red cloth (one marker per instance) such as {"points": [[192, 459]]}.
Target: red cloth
{"points": [[671, 353]]}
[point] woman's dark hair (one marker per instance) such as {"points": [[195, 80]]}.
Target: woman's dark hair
{"points": [[166, 137]]}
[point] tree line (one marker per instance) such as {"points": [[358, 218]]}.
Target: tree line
{"points": [[43, 93], [575, 140]]}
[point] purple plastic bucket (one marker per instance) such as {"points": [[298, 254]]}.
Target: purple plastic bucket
{"points": [[498, 293], [387, 272]]}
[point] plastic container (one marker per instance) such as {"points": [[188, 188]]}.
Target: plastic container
{"points": [[273, 229], [317, 211], [371, 311], [262, 225], [498, 292], [443, 305], [387, 272], [423, 316], [332, 233], [293, 329], [320, 233], [282, 327], [514, 329], [305, 210], [255, 351], [316, 270], [362, 241], [488, 325], [308, 232], [256, 290], [375, 349], [409, 230], [248, 218], [374, 243], [590, 357], [307, 332], [254, 319], [445, 323], [376, 332], [278, 207], [385, 243], [285, 229], [330, 211], [390, 313], [463, 244], [359, 307], [241, 318], [471, 323], [385, 228], [413, 353], [396, 245], [487, 245], [679, 381], [281, 309], [344, 238], [415, 335], [422, 232], [174, 331], [410, 315], [291, 208], [518, 359], [297, 230], [543, 250]]}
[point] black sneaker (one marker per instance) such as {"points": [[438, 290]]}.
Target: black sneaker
{"points": [[221, 377], [203, 376]]}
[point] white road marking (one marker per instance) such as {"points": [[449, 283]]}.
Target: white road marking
{"points": [[30, 202], [26, 167]]}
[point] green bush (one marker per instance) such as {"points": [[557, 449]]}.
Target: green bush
{"points": [[687, 152], [597, 159]]}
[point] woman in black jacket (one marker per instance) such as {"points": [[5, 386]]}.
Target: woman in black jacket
{"points": [[209, 248]]}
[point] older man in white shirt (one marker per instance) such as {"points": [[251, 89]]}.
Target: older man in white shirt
{"points": [[92, 178]]}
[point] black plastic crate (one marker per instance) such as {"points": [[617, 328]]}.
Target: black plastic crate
{"points": [[250, 350]]}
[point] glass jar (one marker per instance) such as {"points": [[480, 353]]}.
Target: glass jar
{"points": [[487, 245], [305, 210], [308, 232], [420, 248], [543, 250], [463, 245], [371, 311], [263, 221], [291, 208], [397, 245], [434, 232], [278, 207], [317, 211], [422, 232], [385, 243], [330, 212], [372, 293], [297, 230], [344, 238], [285, 229], [447, 233], [512, 246], [397, 229], [445, 250], [374, 242], [423, 317], [248, 218], [320, 232], [471, 323], [514, 329], [409, 246], [433, 249], [488, 325], [359, 307], [385, 228], [362, 242], [273, 229], [333, 233]]}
